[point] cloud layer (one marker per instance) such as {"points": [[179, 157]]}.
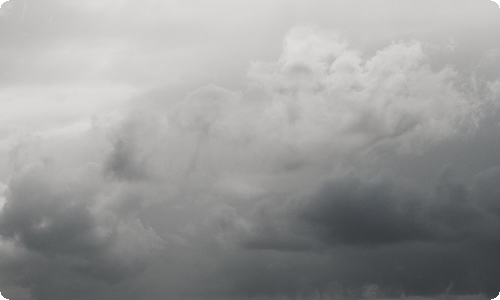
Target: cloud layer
{"points": [[340, 167]]}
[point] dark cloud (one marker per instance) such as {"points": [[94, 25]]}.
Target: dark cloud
{"points": [[355, 213], [46, 219], [125, 162], [66, 250], [395, 235]]}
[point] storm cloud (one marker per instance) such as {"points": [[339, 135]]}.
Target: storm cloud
{"points": [[397, 236], [264, 150]]}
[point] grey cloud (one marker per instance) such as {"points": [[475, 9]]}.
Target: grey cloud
{"points": [[316, 176], [487, 190], [395, 235], [362, 213], [126, 161], [351, 212], [47, 220], [67, 250]]}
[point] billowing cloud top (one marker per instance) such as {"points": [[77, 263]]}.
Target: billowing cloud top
{"points": [[260, 150]]}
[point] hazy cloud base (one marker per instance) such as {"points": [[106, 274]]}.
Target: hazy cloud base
{"points": [[341, 167]]}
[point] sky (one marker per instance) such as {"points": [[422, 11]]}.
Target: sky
{"points": [[261, 150]]}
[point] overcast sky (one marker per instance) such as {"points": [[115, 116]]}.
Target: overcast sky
{"points": [[267, 149]]}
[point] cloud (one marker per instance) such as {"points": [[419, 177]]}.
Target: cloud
{"points": [[301, 233], [65, 236], [391, 234], [309, 178], [334, 94]]}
